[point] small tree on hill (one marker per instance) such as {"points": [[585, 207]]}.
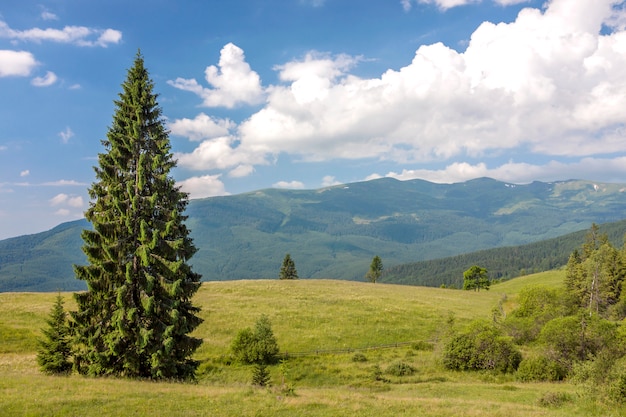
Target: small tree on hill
{"points": [[376, 269], [55, 349], [288, 268], [256, 346], [476, 278]]}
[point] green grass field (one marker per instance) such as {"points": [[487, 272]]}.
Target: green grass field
{"points": [[306, 315]]}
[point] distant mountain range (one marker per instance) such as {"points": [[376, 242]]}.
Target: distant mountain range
{"points": [[334, 232]]}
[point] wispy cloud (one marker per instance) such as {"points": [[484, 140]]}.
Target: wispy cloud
{"points": [[45, 81], [63, 183], [25, 173], [47, 15], [66, 135], [77, 35]]}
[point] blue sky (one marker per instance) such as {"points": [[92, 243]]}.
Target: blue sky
{"points": [[312, 93]]}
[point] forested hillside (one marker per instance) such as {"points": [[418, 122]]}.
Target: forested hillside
{"points": [[502, 263], [335, 232]]}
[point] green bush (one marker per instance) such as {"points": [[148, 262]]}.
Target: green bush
{"points": [[617, 389], [577, 338], [540, 369], [481, 347], [421, 345], [256, 346], [554, 399], [400, 369], [359, 357]]}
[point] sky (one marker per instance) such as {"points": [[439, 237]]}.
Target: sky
{"points": [[306, 94]]}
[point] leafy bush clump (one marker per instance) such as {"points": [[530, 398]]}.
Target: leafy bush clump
{"points": [[540, 369], [359, 357], [554, 399], [256, 346], [421, 345], [400, 369], [481, 347]]}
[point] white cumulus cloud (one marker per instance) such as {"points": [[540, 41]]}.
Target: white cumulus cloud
{"points": [[201, 127], [16, 63], [203, 186], [551, 81], [66, 200], [233, 82], [296, 185]]}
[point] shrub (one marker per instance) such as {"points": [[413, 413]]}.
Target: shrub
{"points": [[576, 338], [617, 389], [540, 369], [376, 374], [400, 369], [422, 345], [359, 357], [258, 346], [481, 347], [554, 399]]}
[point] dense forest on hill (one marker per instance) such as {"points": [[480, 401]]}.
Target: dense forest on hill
{"points": [[502, 263]]}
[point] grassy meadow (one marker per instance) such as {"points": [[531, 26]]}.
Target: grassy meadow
{"points": [[306, 315]]}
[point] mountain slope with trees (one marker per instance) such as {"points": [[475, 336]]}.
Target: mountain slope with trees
{"points": [[335, 232], [501, 263]]}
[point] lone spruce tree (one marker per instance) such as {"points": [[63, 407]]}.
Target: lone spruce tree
{"points": [[376, 269], [135, 318], [288, 268], [53, 355]]}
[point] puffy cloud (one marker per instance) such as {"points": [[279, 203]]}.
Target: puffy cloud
{"points": [[296, 185], [203, 186], [551, 82], [16, 63], [201, 127], [221, 153], [78, 35], [45, 81], [25, 173], [240, 171], [233, 81], [329, 181], [68, 200]]}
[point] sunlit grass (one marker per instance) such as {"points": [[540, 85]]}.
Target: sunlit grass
{"points": [[306, 315]]}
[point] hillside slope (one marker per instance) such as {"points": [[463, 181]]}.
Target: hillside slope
{"points": [[334, 232]]}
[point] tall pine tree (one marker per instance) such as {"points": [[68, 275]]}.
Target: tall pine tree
{"points": [[136, 316]]}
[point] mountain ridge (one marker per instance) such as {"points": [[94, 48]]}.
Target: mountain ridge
{"points": [[333, 232]]}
